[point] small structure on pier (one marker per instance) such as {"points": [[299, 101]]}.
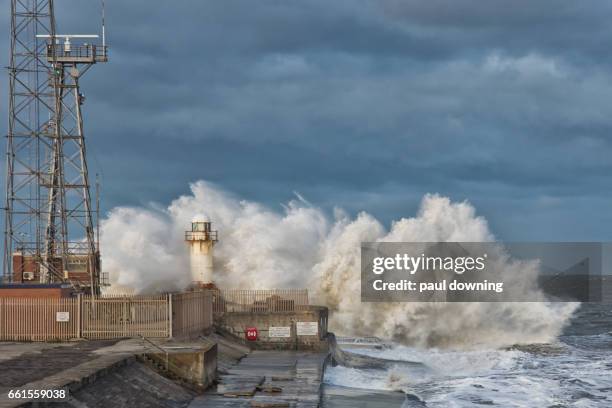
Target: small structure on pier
{"points": [[201, 240]]}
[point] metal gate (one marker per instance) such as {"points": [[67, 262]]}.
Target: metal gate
{"points": [[117, 317]]}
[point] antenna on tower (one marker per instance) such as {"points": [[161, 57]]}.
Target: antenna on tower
{"points": [[103, 25], [98, 210]]}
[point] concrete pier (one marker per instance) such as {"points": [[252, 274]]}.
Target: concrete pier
{"points": [[268, 379], [139, 373], [343, 397], [100, 374]]}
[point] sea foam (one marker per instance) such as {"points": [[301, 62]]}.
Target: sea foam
{"points": [[302, 246]]}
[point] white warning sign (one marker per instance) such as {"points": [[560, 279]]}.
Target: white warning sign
{"points": [[279, 331], [62, 316], [307, 328]]}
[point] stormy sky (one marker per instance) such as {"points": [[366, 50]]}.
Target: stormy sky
{"points": [[361, 104]]}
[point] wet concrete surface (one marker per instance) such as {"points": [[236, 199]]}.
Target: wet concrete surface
{"points": [[268, 379], [342, 397], [80, 365], [34, 365], [132, 386], [106, 373]]}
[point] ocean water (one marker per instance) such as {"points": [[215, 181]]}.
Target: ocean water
{"points": [[574, 371]]}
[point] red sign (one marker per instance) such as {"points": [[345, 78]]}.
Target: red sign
{"points": [[251, 333]]}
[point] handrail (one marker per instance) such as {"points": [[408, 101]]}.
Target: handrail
{"points": [[270, 300], [201, 236], [76, 50], [167, 362]]}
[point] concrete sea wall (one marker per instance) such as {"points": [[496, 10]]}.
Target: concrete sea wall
{"points": [[295, 330]]}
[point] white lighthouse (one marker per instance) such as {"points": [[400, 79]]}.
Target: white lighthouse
{"points": [[201, 240]]}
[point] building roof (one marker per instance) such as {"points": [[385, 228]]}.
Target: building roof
{"points": [[34, 285]]}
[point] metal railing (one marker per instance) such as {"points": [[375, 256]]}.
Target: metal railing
{"points": [[201, 236], [270, 300], [160, 316], [76, 52], [116, 317], [104, 279], [192, 313], [39, 319], [159, 349]]}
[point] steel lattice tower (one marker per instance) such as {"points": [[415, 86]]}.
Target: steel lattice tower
{"points": [[49, 224]]}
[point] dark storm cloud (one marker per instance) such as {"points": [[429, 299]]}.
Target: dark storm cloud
{"points": [[356, 103]]}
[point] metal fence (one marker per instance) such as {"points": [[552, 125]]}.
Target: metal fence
{"points": [[39, 319], [48, 319], [191, 313], [273, 300], [116, 317]]}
